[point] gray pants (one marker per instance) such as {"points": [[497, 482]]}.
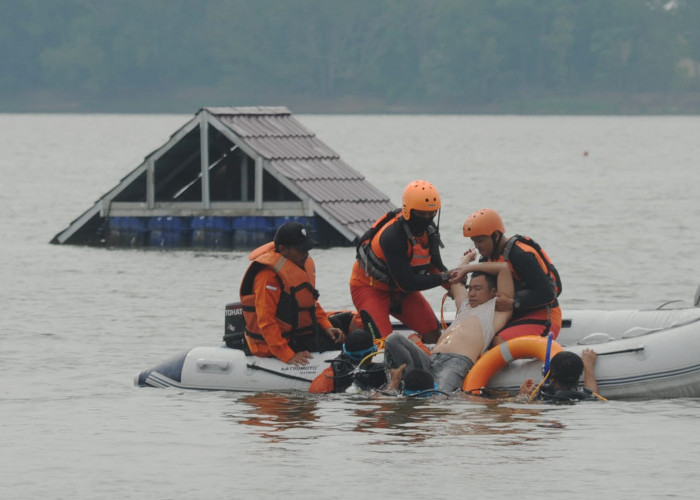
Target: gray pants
{"points": [[449, 370]]}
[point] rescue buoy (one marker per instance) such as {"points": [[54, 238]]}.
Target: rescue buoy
{"points": [[528, 346]]}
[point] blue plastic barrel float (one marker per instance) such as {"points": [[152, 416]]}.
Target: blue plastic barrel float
{"points": [[169, 232], [127, 232], [212, 232], [252, 231]]}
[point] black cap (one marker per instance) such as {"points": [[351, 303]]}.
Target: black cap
{"points": [[294, 234]]}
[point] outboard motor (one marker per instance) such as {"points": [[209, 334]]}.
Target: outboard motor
{"points": [[234, 327]]}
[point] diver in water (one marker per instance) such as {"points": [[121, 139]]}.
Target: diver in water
{"points": [[562, 385], [416, 382], [352, 366]]}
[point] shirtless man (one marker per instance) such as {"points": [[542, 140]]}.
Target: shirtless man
{"points": [[469, 335]]}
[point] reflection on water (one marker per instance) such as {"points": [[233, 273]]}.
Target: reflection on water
{"points": [[387, 420], [276, 413]]}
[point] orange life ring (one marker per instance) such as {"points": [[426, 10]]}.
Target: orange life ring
{"points": [[528, 346]]}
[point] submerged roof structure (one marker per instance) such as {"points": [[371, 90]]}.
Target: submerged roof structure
{"points": [[240, 161]]}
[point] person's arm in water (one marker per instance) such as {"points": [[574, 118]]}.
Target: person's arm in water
{"points": [[396, 375], [526, 389], [589, 356]]}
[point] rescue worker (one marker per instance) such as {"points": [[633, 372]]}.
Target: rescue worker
{"points": [[535, 307], [353, 365], [397, 258], [280, 302]]}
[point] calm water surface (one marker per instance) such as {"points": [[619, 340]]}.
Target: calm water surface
{"points": [[612, 200]]}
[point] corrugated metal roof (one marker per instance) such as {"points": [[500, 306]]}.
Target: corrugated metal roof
{"points": [[277, 147], [295, 152], [277, 125], [362, 215], [340, 190], [311, 168]]}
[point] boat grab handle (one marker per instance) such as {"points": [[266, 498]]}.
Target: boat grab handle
{"points": [[213, 365]]}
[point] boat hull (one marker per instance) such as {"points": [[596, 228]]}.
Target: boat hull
{"points": [[224, 369], [642, 354], [656, 365]]}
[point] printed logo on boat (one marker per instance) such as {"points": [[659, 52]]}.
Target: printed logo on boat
{"points": [[301, 370]]}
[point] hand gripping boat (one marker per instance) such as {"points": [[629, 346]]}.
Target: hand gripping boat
{"points": [[642, 354]]}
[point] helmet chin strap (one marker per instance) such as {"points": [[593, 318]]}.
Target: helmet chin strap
{"points": [[496, 244]]}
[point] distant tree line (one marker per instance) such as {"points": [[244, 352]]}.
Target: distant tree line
{"points": [[419, 55]]}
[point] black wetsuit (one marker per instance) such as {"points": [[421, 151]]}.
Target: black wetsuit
{"points": [[550, 394]]}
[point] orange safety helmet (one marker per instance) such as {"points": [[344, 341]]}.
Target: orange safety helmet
{"points": [[483, 222], [420, 195]]}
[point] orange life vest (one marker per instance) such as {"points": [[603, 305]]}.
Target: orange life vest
{"points": [[529, 245], [296, 311], [549, 315], [372, 261]]}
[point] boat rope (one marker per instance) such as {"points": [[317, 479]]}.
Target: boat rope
{"points": [[285, 375]]}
